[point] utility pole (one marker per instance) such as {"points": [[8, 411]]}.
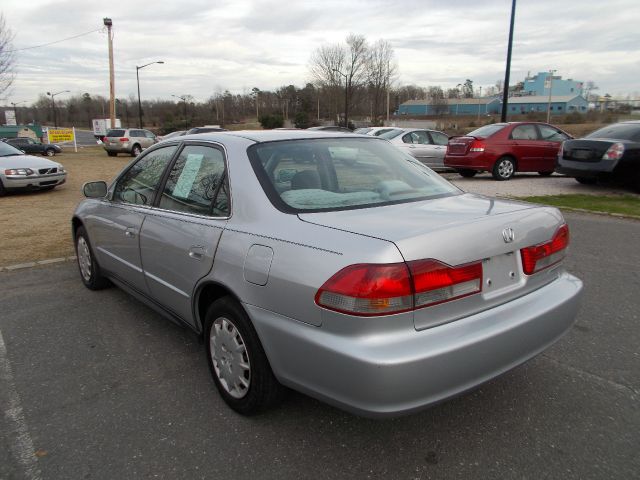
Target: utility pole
{"points": [[112, 87], [388, 89], [551, 72], [507, 72], [479, 100], [15, 110]]}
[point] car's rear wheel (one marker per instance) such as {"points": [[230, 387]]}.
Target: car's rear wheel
{"points": [[467, 173], [504, 168], [89, 268], [545, 174], [112, 154], [49, 152], [587, 180], [3, 191], [136, 150], [238, 364]]}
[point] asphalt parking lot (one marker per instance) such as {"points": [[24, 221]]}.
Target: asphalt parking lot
{"points": [[95, 385]]}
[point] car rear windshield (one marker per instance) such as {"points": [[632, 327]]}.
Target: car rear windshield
{"points": [[315, 175], [115, 133], [389, 134], [487, 130], [618, 131]]}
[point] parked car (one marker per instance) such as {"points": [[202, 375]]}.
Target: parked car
{"points": [[506, 148], [19, 171], [127, 140], [206, 129], [609, 152], [427, 146], [376, 286], [375, 131], [29, 145], [177, 133], [331, 128]]}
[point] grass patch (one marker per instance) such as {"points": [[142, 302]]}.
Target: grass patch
{"points": [[620, 204]]}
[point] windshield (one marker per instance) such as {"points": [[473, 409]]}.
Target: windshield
{"points": [[487, 130], [335, 174], [618, 131], [115, 133], [7, 150]]}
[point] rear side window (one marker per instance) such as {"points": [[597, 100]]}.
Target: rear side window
{"points": [[524, 132], [196, 183], [335, 174], [115, 133], [439, 138]]}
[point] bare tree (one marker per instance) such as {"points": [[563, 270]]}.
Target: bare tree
{"points": [[467, 88], [437, 100], [381, 69], [6, 56]]}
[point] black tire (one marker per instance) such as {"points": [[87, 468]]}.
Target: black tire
{"points": [[136, 150], [587, 180], [3, 191], [49, 152], [545, 174], [46, 189], [504, 168], [467, 173], [89, 272], [112, 154], [256, 388]]}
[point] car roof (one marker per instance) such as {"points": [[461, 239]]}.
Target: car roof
{"points": [[260, 136]]}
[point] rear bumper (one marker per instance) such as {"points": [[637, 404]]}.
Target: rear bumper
{"points": [[124, 147], [585, 169], [405, 371], [472, 161]]}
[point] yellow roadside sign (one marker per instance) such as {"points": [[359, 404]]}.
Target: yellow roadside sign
{"points": [[58, 135]]}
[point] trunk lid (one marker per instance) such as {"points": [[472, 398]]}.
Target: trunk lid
{"points": [[459, 145], [585, 150], [458, 230]]}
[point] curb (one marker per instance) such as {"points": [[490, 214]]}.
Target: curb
{"points": [[49, 261]]}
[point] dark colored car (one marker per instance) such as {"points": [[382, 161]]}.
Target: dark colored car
{"points": [[610, 152], [331, 128], [506, 148], [29, 145], [205, 130]]}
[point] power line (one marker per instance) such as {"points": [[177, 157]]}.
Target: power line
{"points": [[57, 41]]}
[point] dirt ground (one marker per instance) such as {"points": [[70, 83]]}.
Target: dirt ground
{"points": [[37, 225]]}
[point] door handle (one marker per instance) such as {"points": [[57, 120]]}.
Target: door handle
{"points": [[129, 233], [196, 252]]}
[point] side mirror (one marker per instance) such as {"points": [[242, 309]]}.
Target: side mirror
{"points": [[95, 189]]}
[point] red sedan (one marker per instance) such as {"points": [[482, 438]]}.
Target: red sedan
{"points": [[506, 148]]}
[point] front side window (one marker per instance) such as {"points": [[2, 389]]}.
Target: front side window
{"points": [[139, 184], [197, 183], [335, 174]]}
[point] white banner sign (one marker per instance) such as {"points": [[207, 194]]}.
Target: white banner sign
{"points": [[10, 117]]}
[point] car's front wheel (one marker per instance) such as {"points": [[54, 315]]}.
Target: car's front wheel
{"points": [[112, 154], [89, 268], [238, 364], [49, 152], [3, 191], [504, 168]]}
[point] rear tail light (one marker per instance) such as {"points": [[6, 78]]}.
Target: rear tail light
{"points": [[124, 139], [105, 139], [384, 289], [477, 146], [614, 152], [544, 255]]}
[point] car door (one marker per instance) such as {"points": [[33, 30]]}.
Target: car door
{"points": [[527, 147], [439, 141], [552, 139], [180, 236], [31, 146], [116, 222]]}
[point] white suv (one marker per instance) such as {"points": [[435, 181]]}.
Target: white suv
{"points": [[128, 140]]}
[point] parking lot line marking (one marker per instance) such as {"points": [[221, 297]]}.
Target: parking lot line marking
{"points": [[20, 443]]}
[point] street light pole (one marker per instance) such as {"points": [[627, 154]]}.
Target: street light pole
{"points": [[346, 97], [53, 101], [507, 72], [15, 110], [551, 72], [184, 99], [139, 102]]}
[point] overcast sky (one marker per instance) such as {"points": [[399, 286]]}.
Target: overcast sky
{"points": [[210, 46]]}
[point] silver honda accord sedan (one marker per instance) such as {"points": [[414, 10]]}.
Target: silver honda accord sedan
{"points": [[330, 264]]}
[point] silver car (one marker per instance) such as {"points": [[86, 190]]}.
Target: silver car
{"points": [[127, 140], [27, 172], [373, 284], [427, 146]]}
